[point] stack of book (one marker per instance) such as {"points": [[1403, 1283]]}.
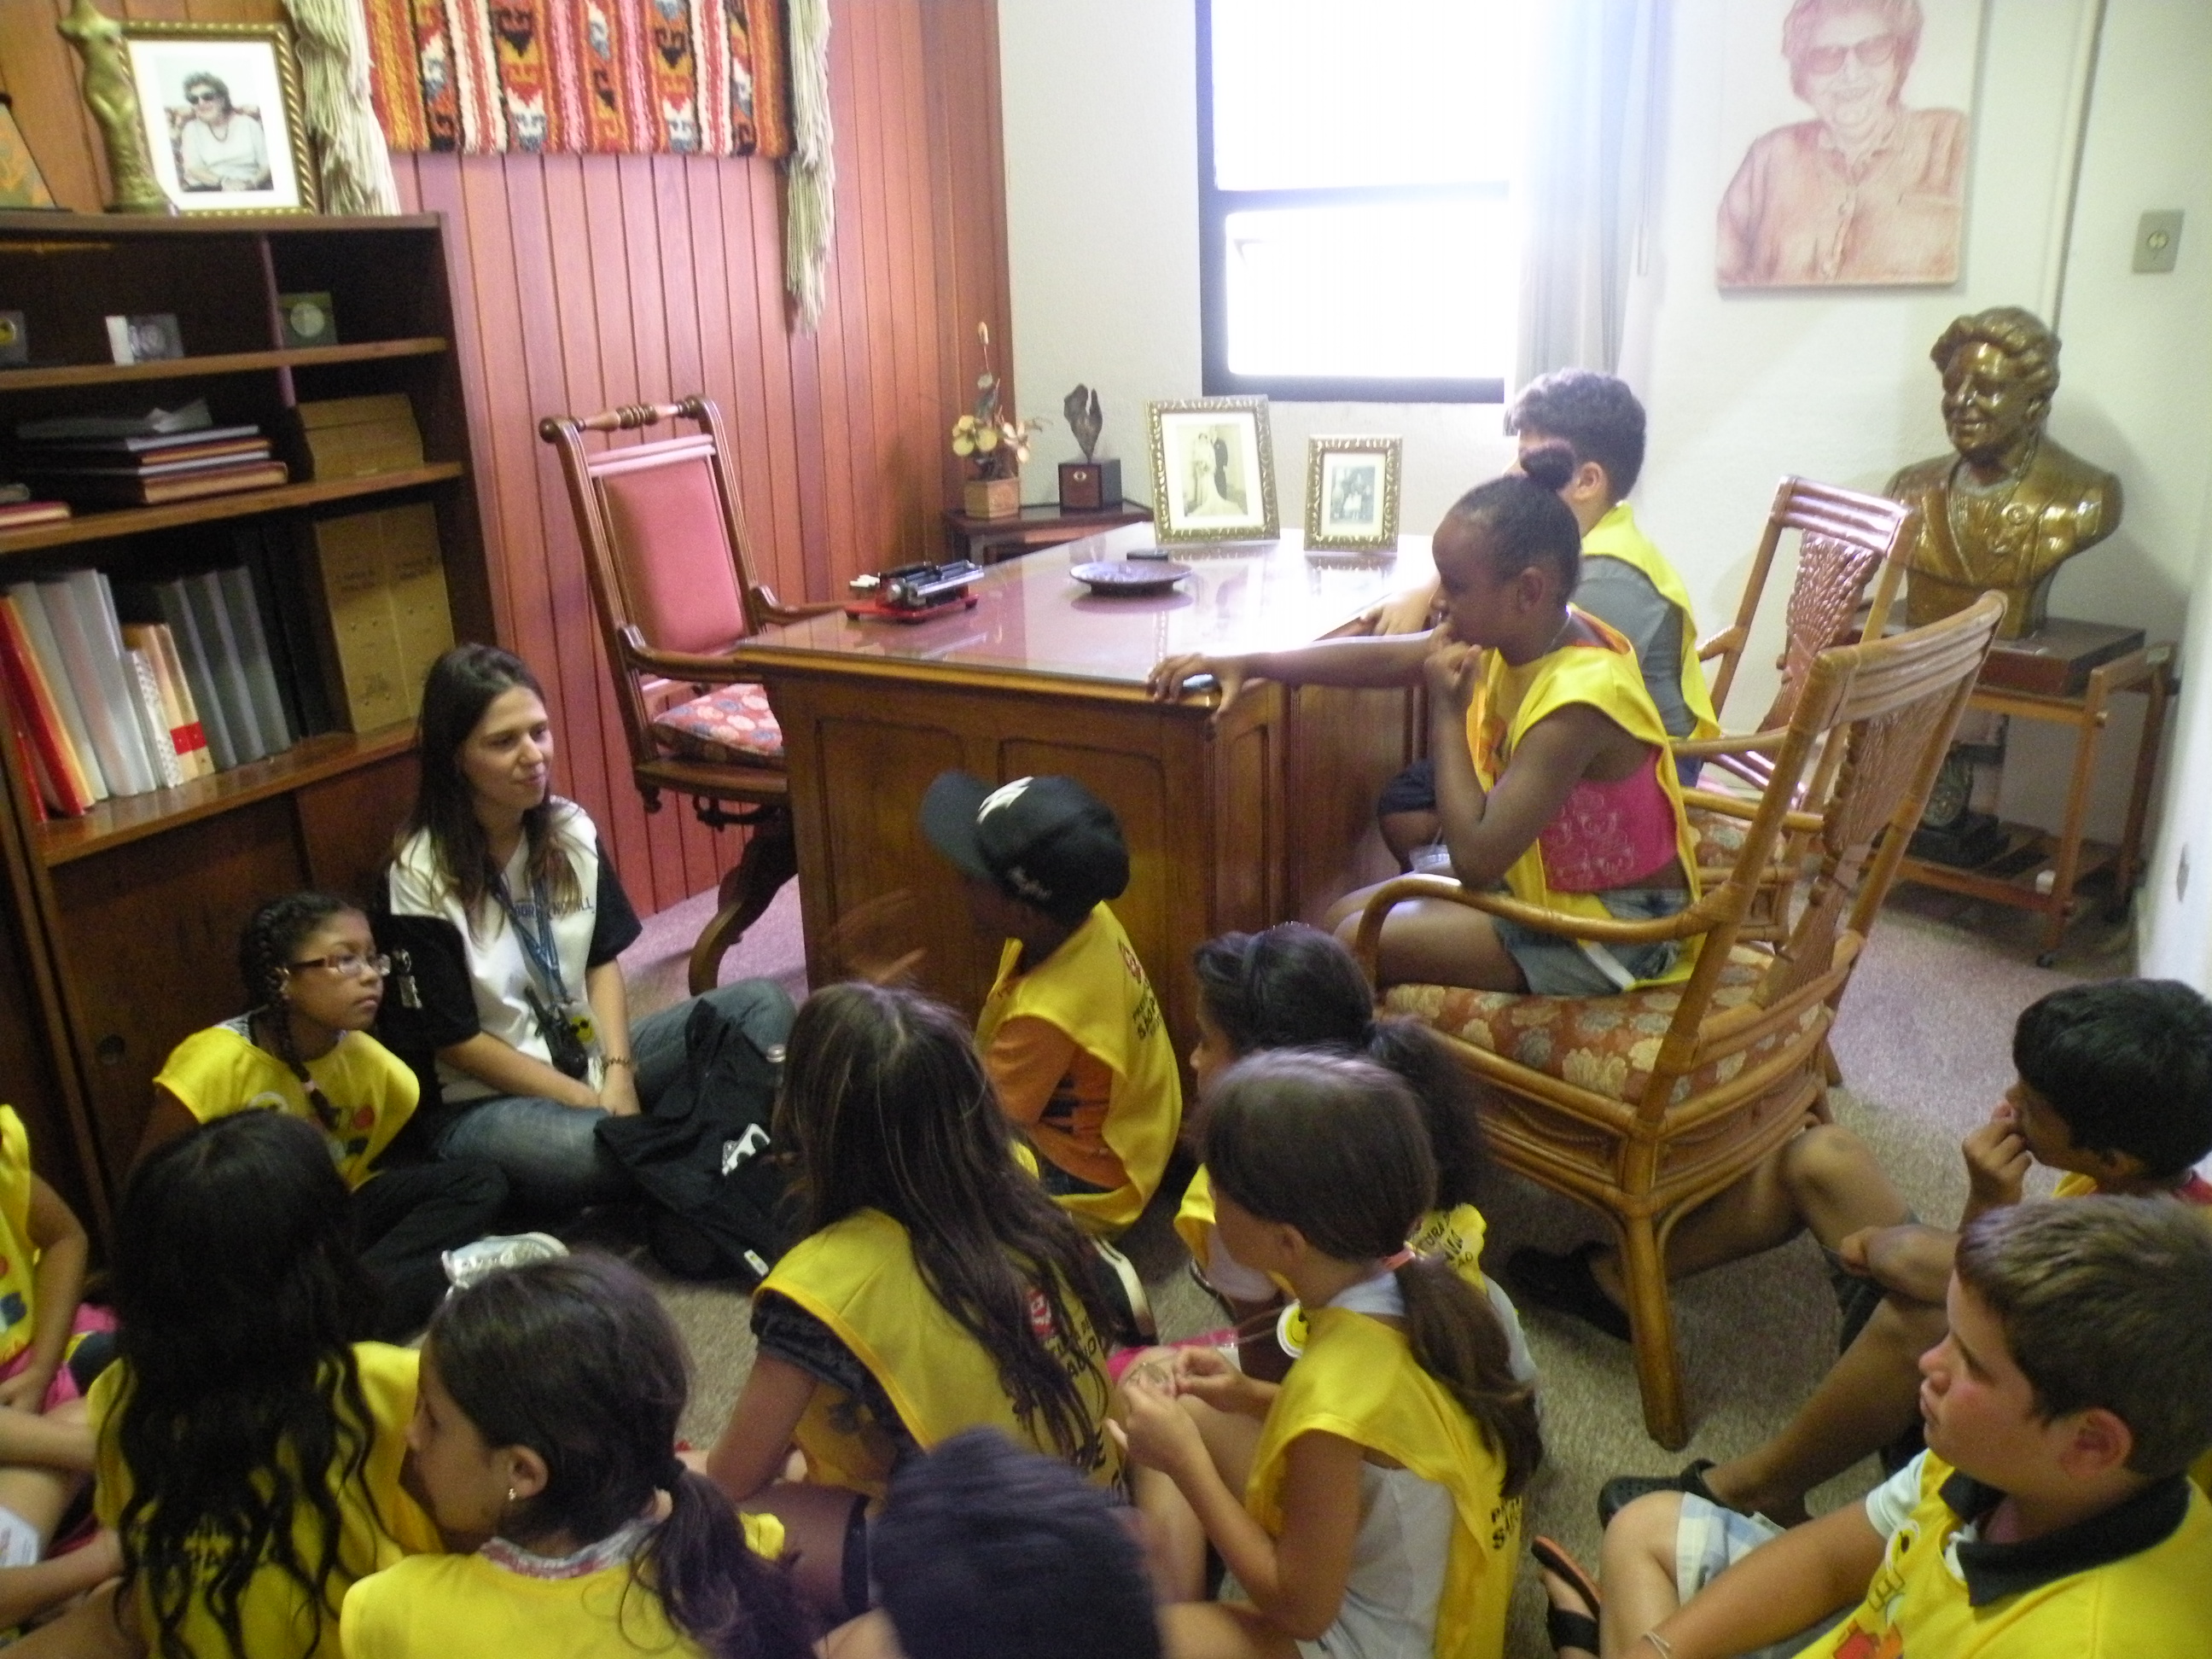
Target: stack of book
{"points": [[144, 460], [99, 707], [17, 508]]}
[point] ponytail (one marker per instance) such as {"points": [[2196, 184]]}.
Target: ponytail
{"points": [[711, 1585], [1456, 1337], [1446, 1097]]}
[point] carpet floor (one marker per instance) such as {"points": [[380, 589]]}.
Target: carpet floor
{"points": [[1923, 1041]]}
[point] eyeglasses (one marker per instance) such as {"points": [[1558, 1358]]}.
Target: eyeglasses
{"points": [[207, 97], [1875, 52], [346, 964]]}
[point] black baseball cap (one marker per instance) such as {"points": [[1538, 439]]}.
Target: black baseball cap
{"points": [[1047, 842]]}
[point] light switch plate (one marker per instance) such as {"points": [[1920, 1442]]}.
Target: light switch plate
{"points": [[2158, 240]]}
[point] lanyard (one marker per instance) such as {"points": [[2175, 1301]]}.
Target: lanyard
{"points": [[540, 950]]}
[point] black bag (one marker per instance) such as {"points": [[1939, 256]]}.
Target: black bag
{"points": [[702, 1158]]}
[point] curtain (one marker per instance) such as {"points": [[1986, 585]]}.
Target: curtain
{"points": [[1594, 168]]}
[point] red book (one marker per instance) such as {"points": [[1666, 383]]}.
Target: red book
{"points": [[37, 720]]}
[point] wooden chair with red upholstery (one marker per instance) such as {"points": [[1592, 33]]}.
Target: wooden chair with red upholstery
{"points": [[673, 580], [1645, 1104]]}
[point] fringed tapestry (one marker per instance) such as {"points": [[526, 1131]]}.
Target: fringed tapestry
{"points": [[679, 76]]}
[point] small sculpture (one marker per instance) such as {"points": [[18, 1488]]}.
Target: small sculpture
{"points": [[2010, 506], [113, 96], [1084, 418]]}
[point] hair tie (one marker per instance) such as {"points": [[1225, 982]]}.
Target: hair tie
{"points": [[1369, 1032], [1399, 1260], [672, 1474]]}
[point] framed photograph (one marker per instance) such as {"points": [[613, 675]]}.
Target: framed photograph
{"points": [[21, 183], [221, 104], [1352, 494], [1213, 470]]}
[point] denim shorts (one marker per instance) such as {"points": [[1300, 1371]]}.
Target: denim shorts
{"points": [[1557, 966], [1709, 1538]]}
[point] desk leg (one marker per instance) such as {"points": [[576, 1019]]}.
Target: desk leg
{"points": [[2095, 712], [2157, 693]]}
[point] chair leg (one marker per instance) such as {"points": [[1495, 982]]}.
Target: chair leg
{"points": [[770, 858], [1834, 1072], [1651, 1325]]}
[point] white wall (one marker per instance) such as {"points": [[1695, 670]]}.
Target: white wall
{"points": [[1102, 204]]}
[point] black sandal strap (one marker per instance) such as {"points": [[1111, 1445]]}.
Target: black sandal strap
{"points": [[1569, 1629]]}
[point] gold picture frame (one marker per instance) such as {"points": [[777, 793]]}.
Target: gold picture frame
{"points": [[1213, 470], [253, 157], [1351, 494]]}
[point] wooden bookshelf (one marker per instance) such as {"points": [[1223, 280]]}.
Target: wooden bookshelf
{"points": [[138, 520], [119, 929]]}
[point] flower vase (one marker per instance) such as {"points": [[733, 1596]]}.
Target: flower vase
{"points": [[991, 498]]}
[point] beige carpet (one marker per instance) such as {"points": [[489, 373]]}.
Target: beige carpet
{"points": [[1926, 1028]]}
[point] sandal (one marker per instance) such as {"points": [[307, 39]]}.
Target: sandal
{"points": [[1618, 1493], [1564, 1626], [1566, 1283]]}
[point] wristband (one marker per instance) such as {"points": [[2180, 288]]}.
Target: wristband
{"points": [[612, 1061], [1664, 1648]]}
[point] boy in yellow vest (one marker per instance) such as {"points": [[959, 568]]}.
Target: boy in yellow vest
{"points": [[1072, 1033], [2048, 1515], [1627, 583]]}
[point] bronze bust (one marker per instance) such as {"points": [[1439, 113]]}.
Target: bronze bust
{"points": [[2009, 506]]}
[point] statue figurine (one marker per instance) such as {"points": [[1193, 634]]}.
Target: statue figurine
{"points": [[2010, 506], [113, 96], [1084, 418]]}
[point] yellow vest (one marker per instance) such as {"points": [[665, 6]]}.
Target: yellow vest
{"points": [[1455, 1235], [218, 1072], [377, 1521], [1094, 988], [1616, 536], [18, 1258], [2153, 1601], [1358, 1379], [858, 1276], [1511, 701]]}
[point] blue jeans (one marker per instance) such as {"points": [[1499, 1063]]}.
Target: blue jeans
{"points": [[550, 1150]]}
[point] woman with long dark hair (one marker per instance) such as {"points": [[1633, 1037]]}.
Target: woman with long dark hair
{"points": [[550, 1400], [1371, 1502], [937, 1287], [250, 1442], [514, 918]]}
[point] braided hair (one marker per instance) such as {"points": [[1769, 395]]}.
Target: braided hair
{"points": [[264, 950], [1528, 522]]}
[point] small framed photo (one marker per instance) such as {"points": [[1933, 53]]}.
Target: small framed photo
{"points": [[1213, 470], [1352, 494], [222, 110], [152, 337]]}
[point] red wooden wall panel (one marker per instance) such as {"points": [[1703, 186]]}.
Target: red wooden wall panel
{"points": [[582, 281]]}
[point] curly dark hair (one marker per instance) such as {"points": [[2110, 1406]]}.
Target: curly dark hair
{"points": [[240, 1296]]}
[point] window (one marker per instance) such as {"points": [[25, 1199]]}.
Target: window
{"points": [[1359, 221]]}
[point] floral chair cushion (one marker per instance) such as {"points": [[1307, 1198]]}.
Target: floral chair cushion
{"points": [[731, 725], [1607, 1045], [1720, 837]]}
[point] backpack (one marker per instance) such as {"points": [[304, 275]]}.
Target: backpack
{"points": [[704, 1161]]}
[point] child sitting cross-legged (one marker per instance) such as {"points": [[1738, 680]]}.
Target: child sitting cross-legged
{"points": [[2050, 1514], [1370, 1503], [1072, 1033], [2114, 1090]]}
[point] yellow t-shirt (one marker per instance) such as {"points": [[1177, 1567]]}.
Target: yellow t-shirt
{"points": [[1512, 701], [460, 1606], [379, 1523], [1358, 1379], [2153, 1601], [1094, 990], [858, 1276], [19, 1259], [221, 1070]]}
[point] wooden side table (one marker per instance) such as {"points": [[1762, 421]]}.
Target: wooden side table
{"points": [[2016, 877], [987, 541]]}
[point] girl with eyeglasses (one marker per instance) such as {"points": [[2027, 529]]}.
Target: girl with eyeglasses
{"points": [[315, 981]]}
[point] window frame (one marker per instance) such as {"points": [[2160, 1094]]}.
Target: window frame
{"points": [[1214, 207]]}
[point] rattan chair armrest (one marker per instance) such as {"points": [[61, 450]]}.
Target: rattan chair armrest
{"points": [[1728, 639], [1733, 806], [1731, 743]]}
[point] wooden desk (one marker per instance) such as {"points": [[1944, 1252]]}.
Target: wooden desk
{"points": [[1267, 817], [1042, 524]]}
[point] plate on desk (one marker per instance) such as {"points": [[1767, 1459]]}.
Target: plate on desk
{"points": [[1129, 577]]}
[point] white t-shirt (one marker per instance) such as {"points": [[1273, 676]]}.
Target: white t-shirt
{"points": [[499, 968]]}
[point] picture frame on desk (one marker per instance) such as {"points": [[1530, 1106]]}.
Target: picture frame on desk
{"points": [[1352, 494], [1213, 470], [22, 185], [224, 120]]}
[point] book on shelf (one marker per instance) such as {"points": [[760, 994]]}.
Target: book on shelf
{"points": [[52, 770], [348, 437], [94, 491], [30, 610], [73, 609], [236, 588], [176, 611], [17, 515], [227, 665], [152, 640], [152, 446], [153, 721], [232, 455], [280, 589], [380, 586]]}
